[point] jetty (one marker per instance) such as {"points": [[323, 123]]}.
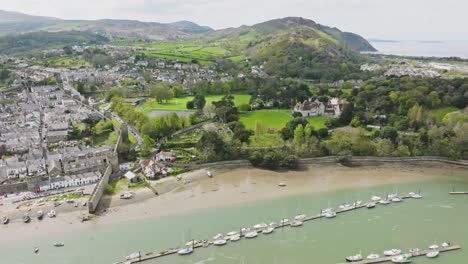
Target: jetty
{"points": [[420, 253], [205, 243], [457, 193]]}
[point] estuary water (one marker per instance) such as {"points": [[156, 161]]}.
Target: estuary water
{"points": [[436, 218], [424, 49]]}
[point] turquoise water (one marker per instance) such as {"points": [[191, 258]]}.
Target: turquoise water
{"points": [[413, 223]]}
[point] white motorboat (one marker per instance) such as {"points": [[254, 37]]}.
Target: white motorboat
{"points": [[396, 199], [59, 244], [133, 256], [191, 243], [260, 226], [416, 196], [268, 230], [296, 223], [330, 214], [218, 236], [373, 256], [52, 213], [402, 259], [232, 233], [445, 244], [432, 254], [234, 238], [391, 196], [411, 194], [126, 195], [185, 251], [327, 211], [376, 198], [39, 214], [345, 206], [434, 247], [370, 205], [300, 217], [245, 229], [392, 252], [354, 258], [284, 221], [273, 224], [219, 242], [251, 234], [384, 202], [414, 250], [357, 203]]}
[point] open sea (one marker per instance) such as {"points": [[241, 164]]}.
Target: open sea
{"points": [[424, 49]]}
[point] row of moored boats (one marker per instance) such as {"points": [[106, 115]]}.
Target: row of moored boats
{"points": [[398, 256], [26, 218]]}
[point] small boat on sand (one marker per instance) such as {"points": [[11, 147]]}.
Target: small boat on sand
{"points": [[26, 218], [40, 214], [282, 184], [36, 249], [5, 220], [52, 213], [59, 244]]}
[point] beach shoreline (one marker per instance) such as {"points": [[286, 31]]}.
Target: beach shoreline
{"points": [[233, 187]]}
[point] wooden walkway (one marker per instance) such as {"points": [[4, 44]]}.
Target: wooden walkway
{"points": [[417, 254], [455, 193], [172, 251]]}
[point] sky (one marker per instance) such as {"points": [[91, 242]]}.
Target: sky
{"points": [[382, 19]]}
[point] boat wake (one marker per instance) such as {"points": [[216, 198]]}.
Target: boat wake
{"points": [[446, 206], [210, 259]]}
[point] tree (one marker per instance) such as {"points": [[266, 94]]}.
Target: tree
{"points": [[199, 101], [299, 135], [389, 133], [403, 151], [415, 116], [384, 148], [433, 100], [347, 115], [226, 110], [339, 144], [162, 93], [322, 133], [211, 146], [190, 105], [148, 144]]}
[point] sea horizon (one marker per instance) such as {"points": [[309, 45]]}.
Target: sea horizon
{"points": [[422, 48]]}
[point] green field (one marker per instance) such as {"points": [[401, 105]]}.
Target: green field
{"points": [[441, 112], [65, 62], [179, 104], [318, 122], [275, 119], [203, 54]]}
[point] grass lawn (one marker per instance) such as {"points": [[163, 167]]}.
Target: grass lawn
{"points": [[266, 140], [318, 121], [441, 112], [276, 119], [180, 103]]}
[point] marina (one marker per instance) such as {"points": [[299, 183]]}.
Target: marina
{"points": [[247, 233], [419, 253]]}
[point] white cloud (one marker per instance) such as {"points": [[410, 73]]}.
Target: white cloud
{"points": [[390, 19]]}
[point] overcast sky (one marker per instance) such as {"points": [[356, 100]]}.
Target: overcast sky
{"points": [[384, 19]]}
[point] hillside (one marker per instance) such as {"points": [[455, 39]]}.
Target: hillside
{"points": [[13, 22], [41, 40], [294, 47]]}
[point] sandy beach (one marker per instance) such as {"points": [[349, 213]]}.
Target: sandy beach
{"points": [[231, 187]]}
